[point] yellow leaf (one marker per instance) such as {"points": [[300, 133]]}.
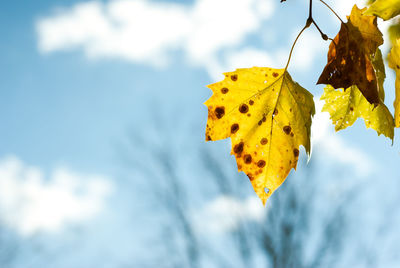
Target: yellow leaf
{"points": [[394, 63], [346, 106], [379, 67], [267, 116], [366, 25], [385, 9], [394, 32]]}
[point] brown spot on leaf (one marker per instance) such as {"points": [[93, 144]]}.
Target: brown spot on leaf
{"points": [[250, 177], [234, 77], [260, 122], [248, 115], [224, 90], [275, 74], [234, 128], [219, 112], [275, 112], [287, 129], [261, 163], [264, 141], [291, 134], [251, 102], [208, 138], [243, 108], [264, 118], [296, 152], [238, 149], [247, 158], [351, 109]]}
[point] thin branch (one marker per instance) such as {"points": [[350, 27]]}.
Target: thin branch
{"points": [[323, 2], [324, 36], [294, 43], [310, 18]]}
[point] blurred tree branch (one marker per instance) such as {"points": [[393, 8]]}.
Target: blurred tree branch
{"points": [[283, 238]]}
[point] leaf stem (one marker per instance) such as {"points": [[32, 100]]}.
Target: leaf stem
{"points": [[331, 9], [310, 21], [324, 36], [310, 18], [295, 41]]}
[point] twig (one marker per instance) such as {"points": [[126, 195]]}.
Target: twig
{"points": [[323, 2], [294, 43]]}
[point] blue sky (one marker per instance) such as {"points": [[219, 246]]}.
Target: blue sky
{"points": [[80, 78]]}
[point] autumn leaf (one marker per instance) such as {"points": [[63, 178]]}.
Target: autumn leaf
{"points": [[350, 55], [267, 116], [345, 106], [394, 32], [394, 63], [379, 67], [385, 9]]}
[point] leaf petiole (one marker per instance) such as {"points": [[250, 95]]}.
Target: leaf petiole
{"points": [[331, 9], [324, 36], [294, 43]]}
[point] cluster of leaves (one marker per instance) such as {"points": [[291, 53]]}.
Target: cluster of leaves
{"points": [[268, 116]]}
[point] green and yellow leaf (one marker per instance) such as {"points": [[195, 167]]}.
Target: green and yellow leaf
{"points": [[385, 9], [345, 106], [394, 32], [267, 116], [380, 73], [394, 63]]}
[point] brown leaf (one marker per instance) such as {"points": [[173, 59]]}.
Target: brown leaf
{"points": [[350, 55]]}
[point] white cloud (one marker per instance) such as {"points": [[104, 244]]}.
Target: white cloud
{"points": [[325, 139], [211, 34], [224, 23], [245, 58], [343, 7], [225, 213], [308, 47], [29, 202], [305, 52], [146, 32]]}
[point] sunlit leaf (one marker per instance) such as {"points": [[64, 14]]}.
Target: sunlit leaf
{"points": [[394, 32], [394, 63], [385, 9], [379, 67], [345, 107], [267, 116]]}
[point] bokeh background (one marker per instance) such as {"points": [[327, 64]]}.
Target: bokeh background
{"points": [[103, 161]]}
